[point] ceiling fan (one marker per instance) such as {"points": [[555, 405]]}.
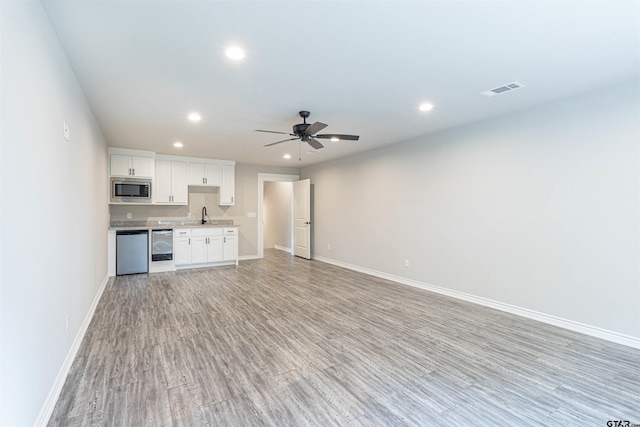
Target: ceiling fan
{"points": [[307, 132]]}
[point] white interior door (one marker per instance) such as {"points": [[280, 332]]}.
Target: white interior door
{"points": [[302, 218]]}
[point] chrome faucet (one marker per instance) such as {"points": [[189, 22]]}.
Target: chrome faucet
{"points": [[204, 213]]}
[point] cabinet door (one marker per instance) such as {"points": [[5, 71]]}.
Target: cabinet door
{"points": [[204, 174], [198, 249], [215, 249], [196, 174], [230, 248], [142, 166], [227, 185], [179, 189], [162, 188], [181, 251], [212, 175], [120, 165]]}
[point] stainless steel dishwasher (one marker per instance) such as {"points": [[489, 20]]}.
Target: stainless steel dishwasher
{"points": [[132, 252], [161, 245]]}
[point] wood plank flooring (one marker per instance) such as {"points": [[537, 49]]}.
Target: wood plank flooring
{"points": [[289, 342]]}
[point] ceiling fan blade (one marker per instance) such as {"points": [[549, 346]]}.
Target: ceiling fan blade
{"points": [[271, 131], [315, 143], [316, 127], [279, 142], [336, 135]]}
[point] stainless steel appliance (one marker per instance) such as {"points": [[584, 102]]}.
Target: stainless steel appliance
{"points": [[130, 190], [161, 245], [132, 252]]}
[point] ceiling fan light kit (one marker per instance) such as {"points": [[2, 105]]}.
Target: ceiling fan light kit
{"points": [[307, 132]]}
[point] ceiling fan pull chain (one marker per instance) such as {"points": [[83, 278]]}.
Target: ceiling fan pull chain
{"points": [[300, 151]]}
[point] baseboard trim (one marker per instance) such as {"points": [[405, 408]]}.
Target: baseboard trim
{"points": [[56, 388], [282, 248], [594, 331], [248, 257]]}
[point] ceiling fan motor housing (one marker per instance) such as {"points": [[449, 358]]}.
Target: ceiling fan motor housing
{"points": [[300, 128]]}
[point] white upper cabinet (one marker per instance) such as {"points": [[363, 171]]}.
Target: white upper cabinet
{"points": [[207, 174], [131, 166], [172, 175], [227, 185], [171, 182]]}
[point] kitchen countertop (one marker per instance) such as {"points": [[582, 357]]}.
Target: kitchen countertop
{"points": [[154, 225]]}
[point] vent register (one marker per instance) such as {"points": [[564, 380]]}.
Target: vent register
{"points": [[502, 89]]}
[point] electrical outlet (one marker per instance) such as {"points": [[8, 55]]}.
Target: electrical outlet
{"points": [[67, 324], [189, 215], [66, 131], [406, 263], [329, 246], [129, 216]]}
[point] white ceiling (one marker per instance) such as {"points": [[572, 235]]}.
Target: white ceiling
{"points": [[361, 67]]}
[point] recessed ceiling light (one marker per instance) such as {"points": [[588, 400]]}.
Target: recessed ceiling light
{"points": [[287, 156], [426, 106], [194, 117], [178, 144], [234, 52], [334, 139], [311, 152]]}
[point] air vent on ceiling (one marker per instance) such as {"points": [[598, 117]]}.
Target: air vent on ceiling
{"points": [[502, 89]]}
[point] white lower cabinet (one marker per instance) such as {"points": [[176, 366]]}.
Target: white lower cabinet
{"points": [[206, 245], [230, 244], [182, 246]]}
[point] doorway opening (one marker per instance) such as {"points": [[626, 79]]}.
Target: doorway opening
{"points": [[278, 216], [275, 210]]}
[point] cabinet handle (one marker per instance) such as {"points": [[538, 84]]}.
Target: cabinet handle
{"points": [[231, 199], [129, 171], [225, 240], [189, 240], [204, 180], [134, 171]]}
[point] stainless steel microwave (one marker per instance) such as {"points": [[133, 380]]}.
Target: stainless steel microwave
{"points": [[130, 190]]}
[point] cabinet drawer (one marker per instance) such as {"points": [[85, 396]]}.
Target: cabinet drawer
{"points": [[230, 231], [206, 231], [182, 232]]}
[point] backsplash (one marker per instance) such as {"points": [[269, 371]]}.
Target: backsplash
{"points": [[199, 197]]}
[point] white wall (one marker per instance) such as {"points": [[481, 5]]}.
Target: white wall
{"points": [[538, 209], [277, 214], [54, 215]]}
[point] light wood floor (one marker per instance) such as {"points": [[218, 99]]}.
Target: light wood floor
{"points": [[285, 341]]}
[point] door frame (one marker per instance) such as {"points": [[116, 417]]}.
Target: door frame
{"points": [[262, 178]]}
